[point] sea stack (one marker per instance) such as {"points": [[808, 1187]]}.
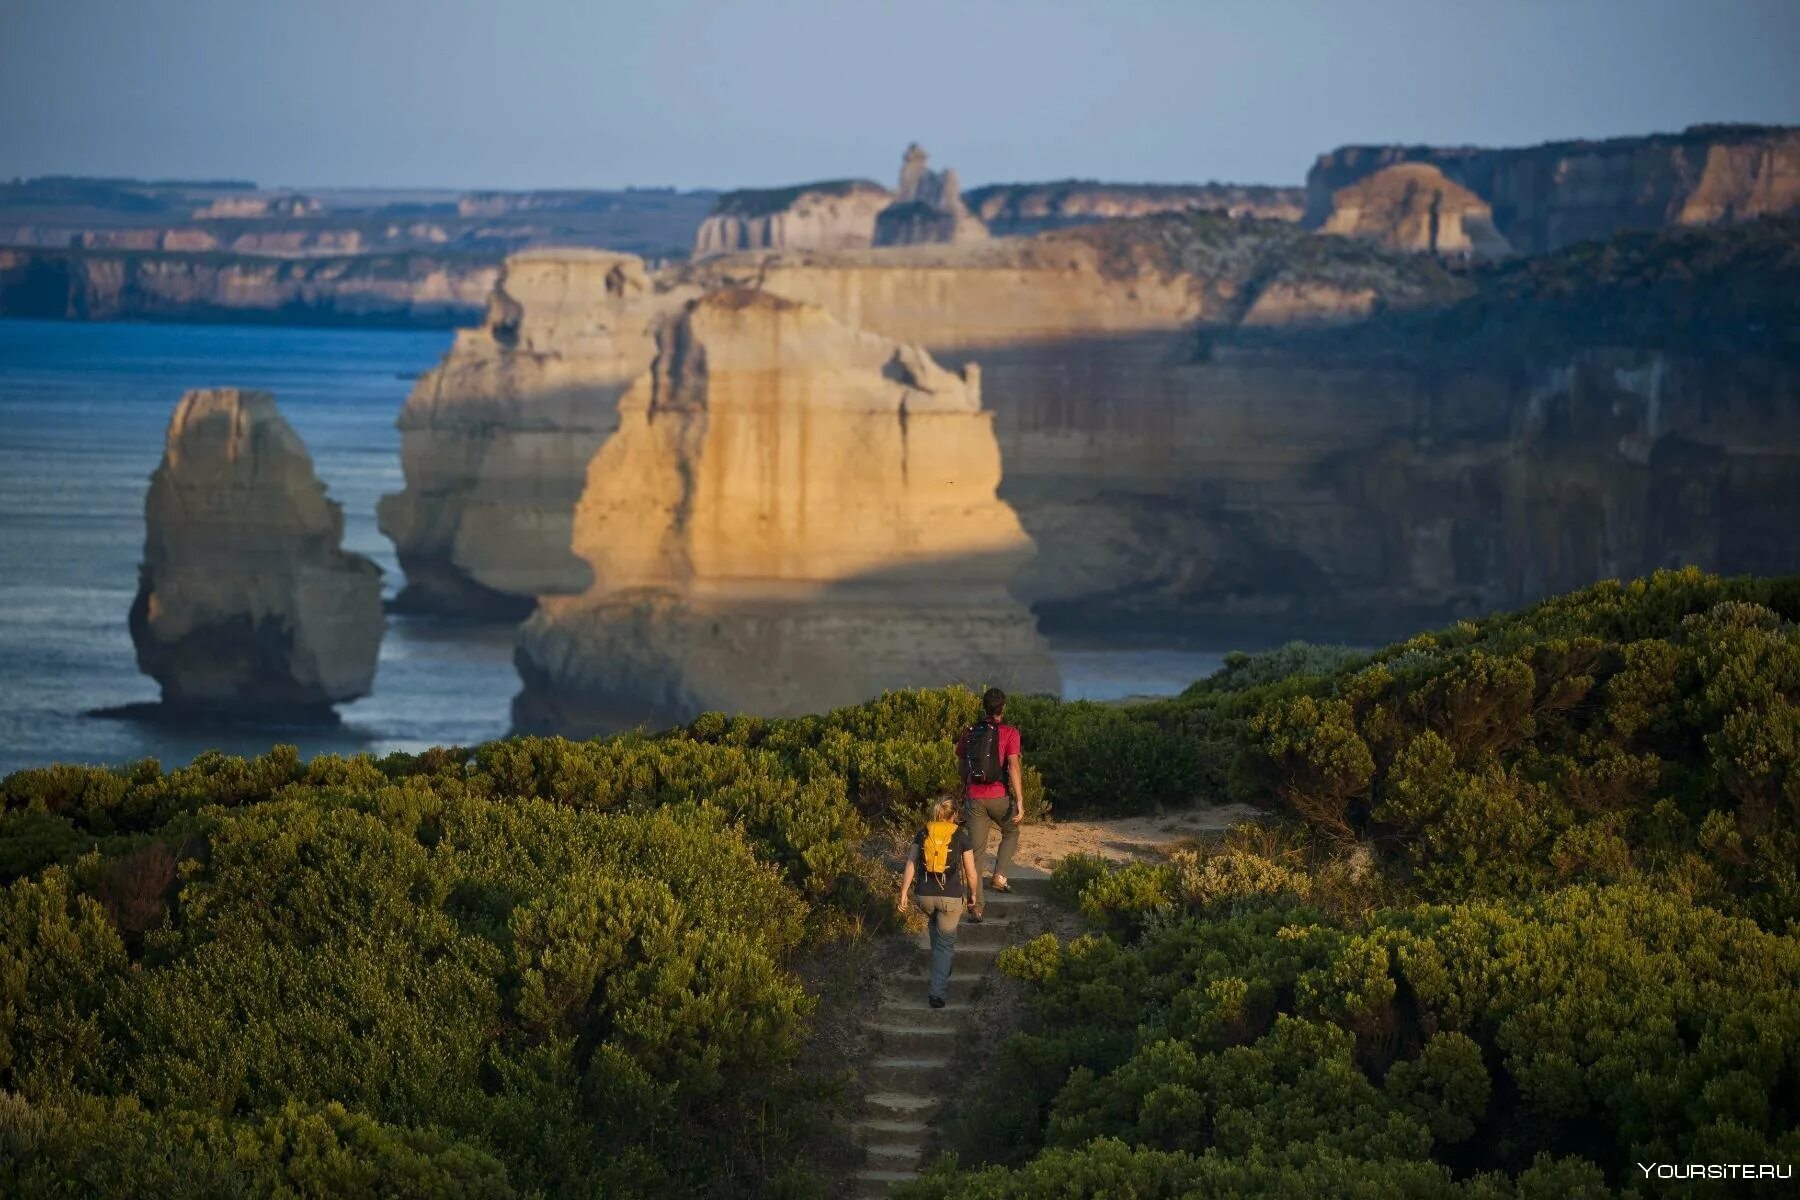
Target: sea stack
{"points": [[928, 209], [247, 604], [793, 514], [496, 440]]}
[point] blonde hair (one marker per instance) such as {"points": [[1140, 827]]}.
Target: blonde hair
{"points": [[944, 808]]}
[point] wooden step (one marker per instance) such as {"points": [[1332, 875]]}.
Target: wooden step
{"points": [[911, 1075], [903, 1107], [897, 1035], [893, 1155], [988, 935]]}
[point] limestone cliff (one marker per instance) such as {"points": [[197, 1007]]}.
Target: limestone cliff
{"points": [[246, 604], [1188, 449], [1017, 209], [1415, 207], [1156, 273], [401, 290], [836, 215], [496, 440], [928, 209], [1550, 196], [792, 515]]}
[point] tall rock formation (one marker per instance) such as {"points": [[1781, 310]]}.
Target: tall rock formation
{"points": [[496, 440], [1415, 207], [836, 215], [928, 209], [1550, 196], [247, 605], [792, 515]]}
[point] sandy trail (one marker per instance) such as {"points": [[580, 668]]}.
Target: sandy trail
{"points": [[1043, 844]]}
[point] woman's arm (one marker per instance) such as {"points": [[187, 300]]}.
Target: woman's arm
{"points": [[974, 878], [906, 882]]}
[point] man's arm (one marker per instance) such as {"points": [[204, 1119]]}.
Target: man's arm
{"points": [[906, 882], [1018, 788], [974, 878]]}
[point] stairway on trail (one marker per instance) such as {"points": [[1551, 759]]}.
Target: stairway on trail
{"points": [[913, 1066]]}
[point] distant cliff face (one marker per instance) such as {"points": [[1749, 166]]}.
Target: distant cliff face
{"points": [[1191, 446], [496, 440], [837, 215], [247, 604], [403, 290], [1415, 207], [1550, 196], [1158, 273], [791, 515], [1015, 209]]}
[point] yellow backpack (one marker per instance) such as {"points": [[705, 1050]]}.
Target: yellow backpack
{"points": [[937, 848]]}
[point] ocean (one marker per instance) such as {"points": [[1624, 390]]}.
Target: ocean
{"points": [[83, 410]]}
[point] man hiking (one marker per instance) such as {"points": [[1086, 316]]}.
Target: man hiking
{"points": [[988, 756], [944, 869]]}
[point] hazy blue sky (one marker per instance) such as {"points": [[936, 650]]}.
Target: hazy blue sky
{"points": [[537, 93]]}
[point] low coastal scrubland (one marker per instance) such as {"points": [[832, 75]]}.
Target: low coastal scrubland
{"points": [[1523, 912]]}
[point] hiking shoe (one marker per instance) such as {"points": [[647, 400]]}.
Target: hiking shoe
{"points": [[973, 917], [935, 1001]]}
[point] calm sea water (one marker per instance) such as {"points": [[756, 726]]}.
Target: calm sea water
{"points": [[83, 410]]}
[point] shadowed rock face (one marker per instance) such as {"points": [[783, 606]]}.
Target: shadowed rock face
{"points": [[928, 209], [246, 604], [791, 515], [496, 440], [1551, 196]]}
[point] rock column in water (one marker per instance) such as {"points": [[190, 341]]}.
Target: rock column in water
{"points": [[247, 604]]}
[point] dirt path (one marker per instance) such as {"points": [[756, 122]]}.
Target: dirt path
{"points": [[910, 1069]]}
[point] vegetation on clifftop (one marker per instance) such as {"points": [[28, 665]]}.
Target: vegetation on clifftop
{"points": [[1529, 914], [1526, 912]]}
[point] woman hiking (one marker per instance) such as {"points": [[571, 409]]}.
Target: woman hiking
{"points": [[987, 756], [943, 868]]}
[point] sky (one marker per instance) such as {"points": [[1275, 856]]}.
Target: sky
{"points": [[709, 93]]}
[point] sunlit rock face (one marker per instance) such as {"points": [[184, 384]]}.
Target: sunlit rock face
{"points": [[835, 215], [1416, 207], [495, 441], [247, 605], [1554, 195], [792, 515]]}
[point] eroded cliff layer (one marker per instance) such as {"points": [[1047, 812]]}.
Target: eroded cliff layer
{"points": [[411, 290], [495, 441], [1015, 209], [247, 605], [1550, 196], [835, 215], [792, 515]]}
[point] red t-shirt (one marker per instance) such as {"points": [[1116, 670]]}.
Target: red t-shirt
{"points": [[1009, 748]]}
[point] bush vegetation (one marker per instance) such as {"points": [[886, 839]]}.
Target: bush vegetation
{"points": [[1525, 915], [1525, 912]]}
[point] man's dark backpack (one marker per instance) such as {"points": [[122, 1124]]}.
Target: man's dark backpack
{"points": [[981, 753]]}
